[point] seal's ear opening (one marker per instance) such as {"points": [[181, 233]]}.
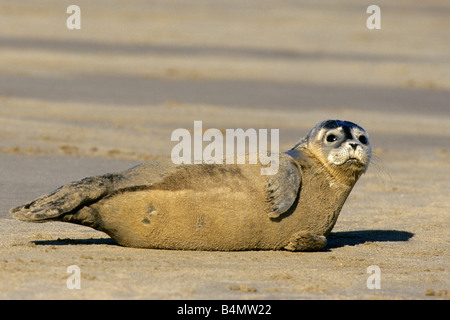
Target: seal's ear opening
{"points": [[310, 133], [301, 142]]}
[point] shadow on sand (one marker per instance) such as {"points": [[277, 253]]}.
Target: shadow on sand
{"points": [[353, 238], [67, 241]]}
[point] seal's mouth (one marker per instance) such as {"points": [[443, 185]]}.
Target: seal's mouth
{"points": [[354, 162]]}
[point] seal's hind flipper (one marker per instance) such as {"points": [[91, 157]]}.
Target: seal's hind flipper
{"points": [[65, 199], [74, 196]]}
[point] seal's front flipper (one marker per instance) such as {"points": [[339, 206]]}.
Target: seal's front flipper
{"points": [[306, 241], [66, 199], [282, 188]]}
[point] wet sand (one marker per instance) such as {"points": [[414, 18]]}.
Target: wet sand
{"points": [[107, 97]]}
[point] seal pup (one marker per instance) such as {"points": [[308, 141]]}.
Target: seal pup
{"points": [[220, 206]]}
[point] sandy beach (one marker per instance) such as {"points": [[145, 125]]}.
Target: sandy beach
{"points": [[77, 103]]}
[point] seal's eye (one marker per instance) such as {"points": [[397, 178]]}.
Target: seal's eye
{"points": [[363, 139], [331, 138]]}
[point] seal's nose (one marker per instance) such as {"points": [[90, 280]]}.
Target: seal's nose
{"points": [[353, 145]]}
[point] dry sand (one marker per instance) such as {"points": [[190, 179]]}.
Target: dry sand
{"points": [[108, 96]]}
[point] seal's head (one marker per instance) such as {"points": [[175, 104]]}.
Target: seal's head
{"points": [[342, 147]]}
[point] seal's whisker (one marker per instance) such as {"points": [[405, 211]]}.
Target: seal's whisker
{"points": [[379, 173], [376, 164]]}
